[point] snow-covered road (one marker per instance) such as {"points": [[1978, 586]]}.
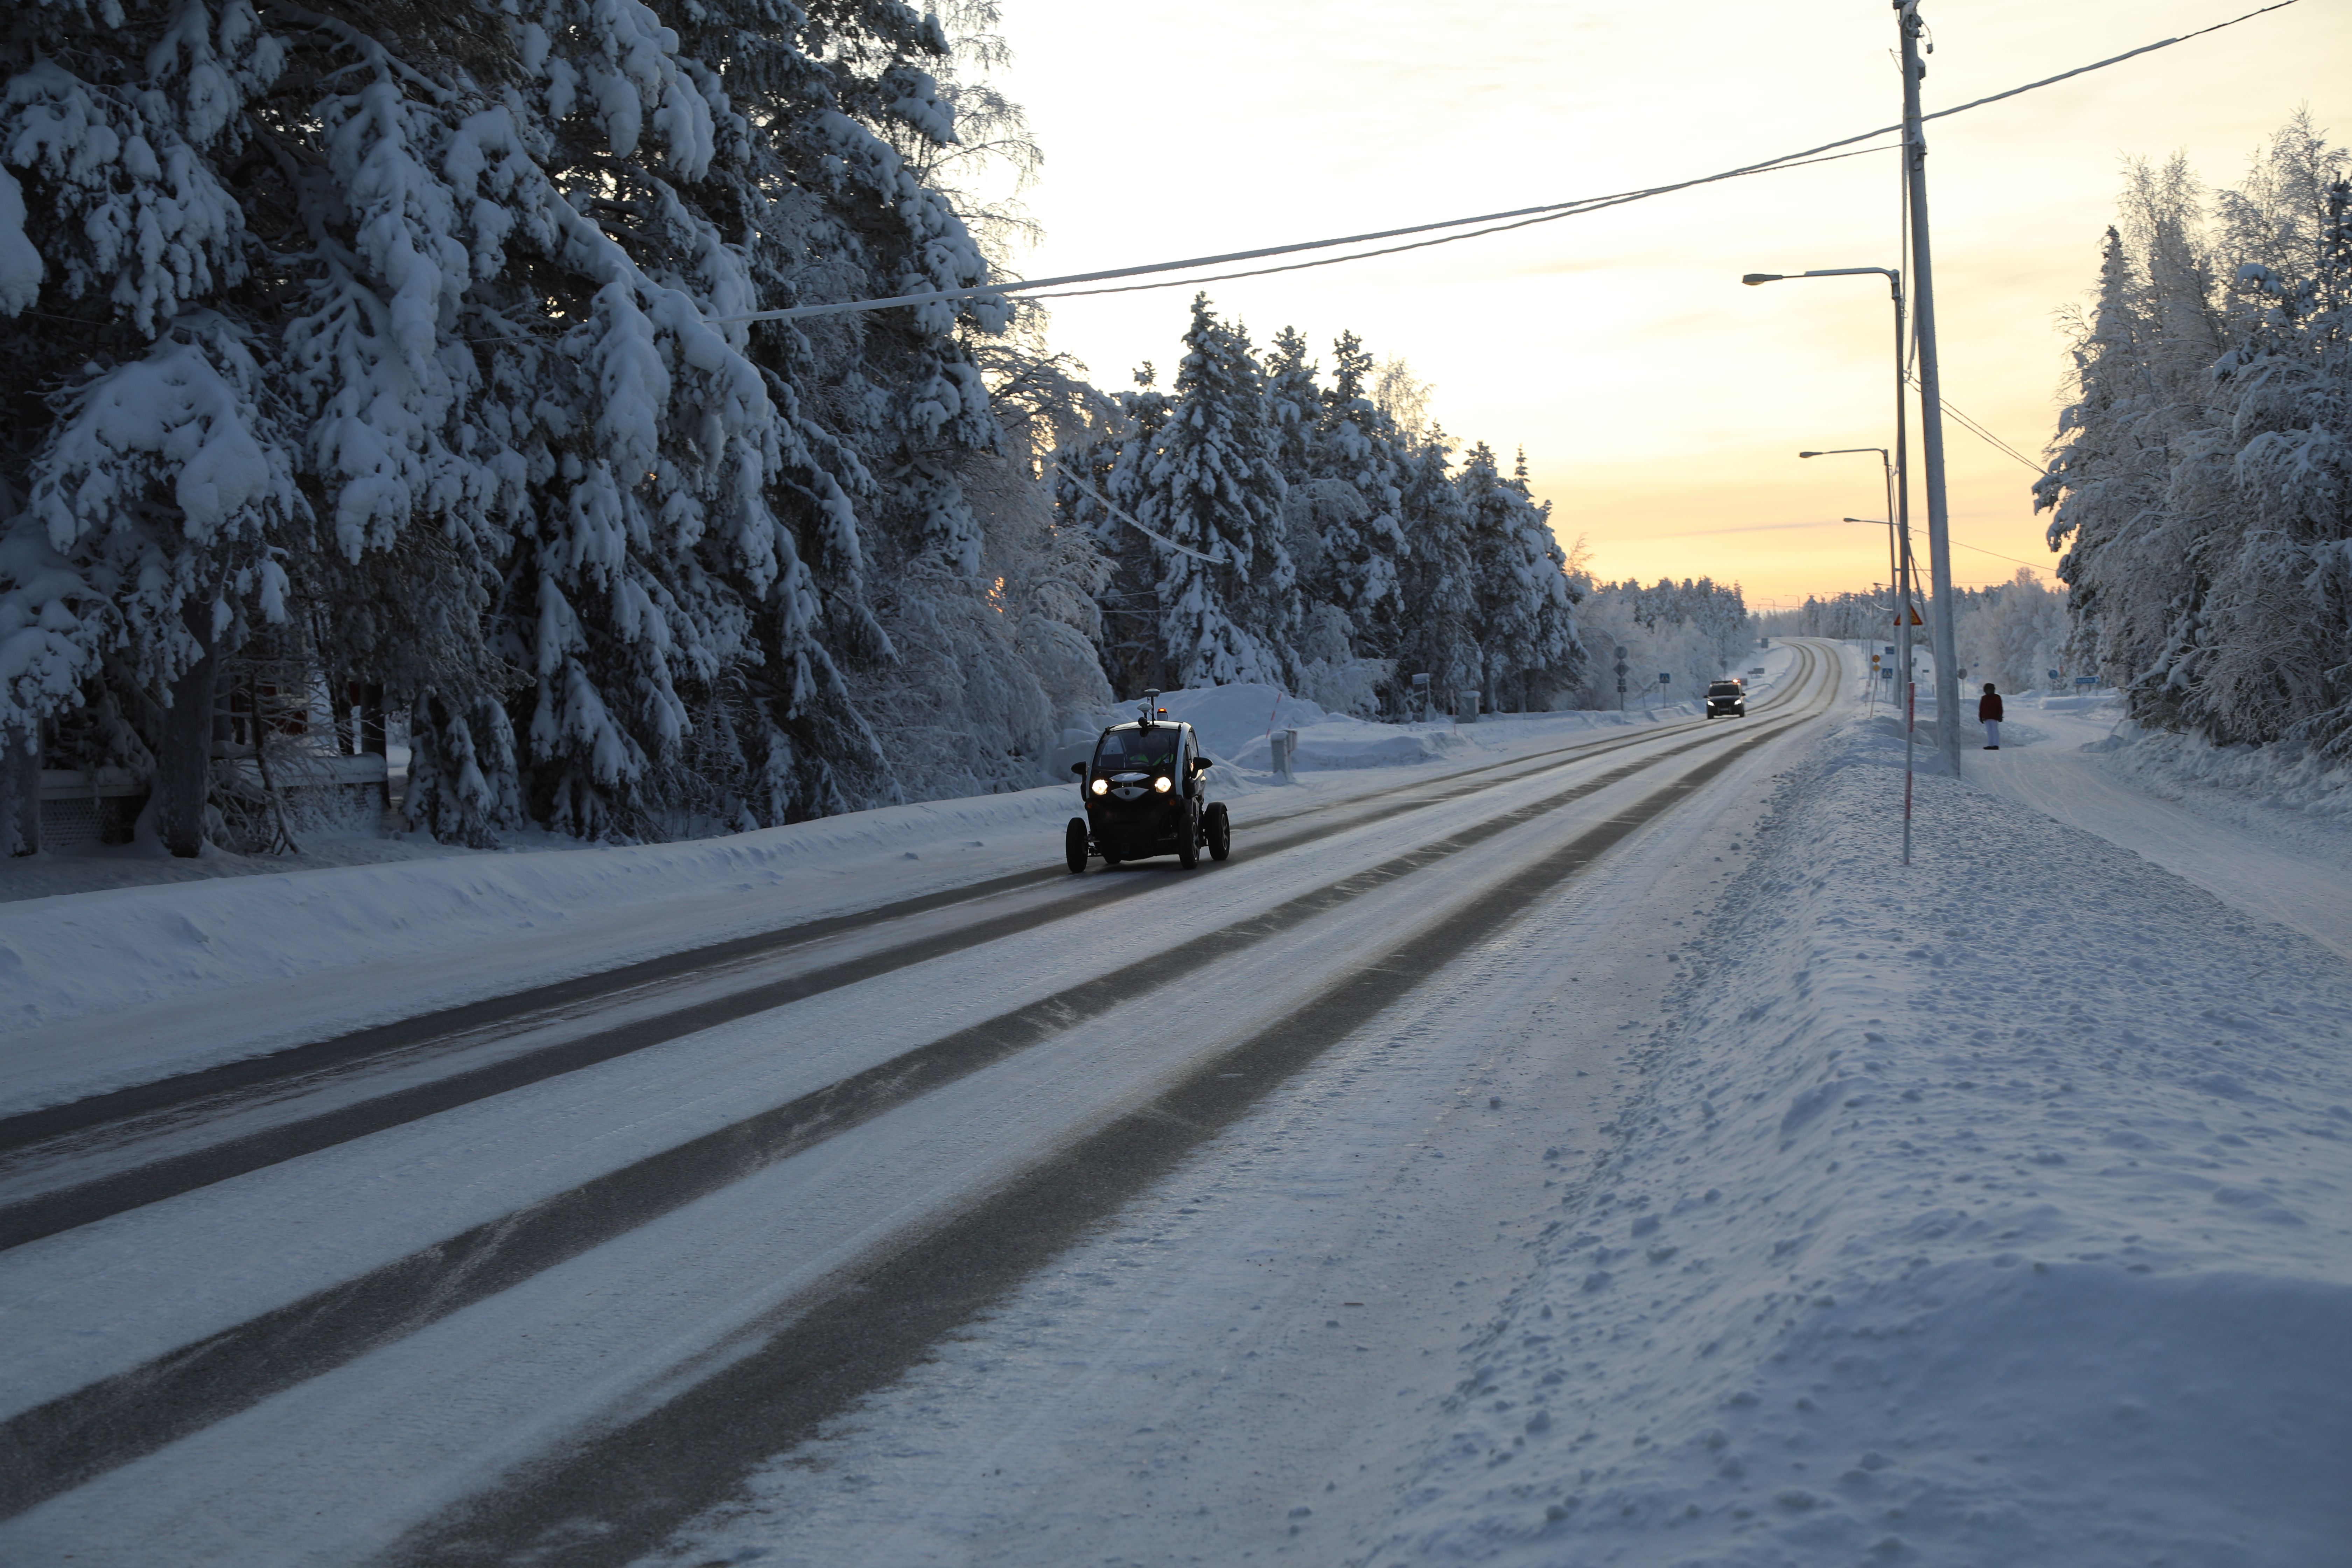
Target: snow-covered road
{"points": [[1603, 1153], [593, 1248]]}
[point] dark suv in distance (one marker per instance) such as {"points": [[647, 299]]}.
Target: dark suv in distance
{"points": [[1145, 795], [1727, 700]]}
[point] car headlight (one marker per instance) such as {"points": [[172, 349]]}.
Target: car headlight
{"points": [[1163, 783], [1100, 787]]}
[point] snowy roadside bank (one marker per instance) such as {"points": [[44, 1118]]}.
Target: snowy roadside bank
{"points": [[105, 988], [1992, 1212]]}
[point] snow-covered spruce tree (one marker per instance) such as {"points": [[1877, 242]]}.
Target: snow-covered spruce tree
{"points": [[489, 262], [989, 660], [1210, 483], [156, 464], [707, 570], [1359, 447], [1694, 630], [2013, 635], [2191, 477], [1340, 510], [2132, 568], [1094, 472], [1527, 631], [1845, 615], [1437, 629], [989, 671], [2278, 663]]}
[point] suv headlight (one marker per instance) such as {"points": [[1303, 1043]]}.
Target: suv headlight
{"points": [[1163, 783], [1100, 787]]}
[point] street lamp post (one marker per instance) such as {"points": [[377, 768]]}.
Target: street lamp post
{"points": [[1899, 516], [1899, 498], [1898, 561]]}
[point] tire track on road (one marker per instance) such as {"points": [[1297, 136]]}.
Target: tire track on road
{"points": [[58, 1445], [615, 1497], [540, 1004], [87, 1202]]}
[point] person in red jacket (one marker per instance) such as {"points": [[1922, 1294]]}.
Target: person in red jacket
{"points": [[1989, 715]]}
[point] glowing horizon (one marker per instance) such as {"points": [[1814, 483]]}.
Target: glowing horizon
{"points": [[1660, 404]]}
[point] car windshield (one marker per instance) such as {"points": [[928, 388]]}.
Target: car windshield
{"points": [[1720, 689], [1152, 751]]}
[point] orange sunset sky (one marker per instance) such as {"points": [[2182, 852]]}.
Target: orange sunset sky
{"points": [[1660, 402]]}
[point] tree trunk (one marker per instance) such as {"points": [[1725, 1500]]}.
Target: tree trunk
{"points": [[20, 792], [374, 741], [184, 759]]}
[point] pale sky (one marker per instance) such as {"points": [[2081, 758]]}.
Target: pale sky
{"points": [[1660, 404]]}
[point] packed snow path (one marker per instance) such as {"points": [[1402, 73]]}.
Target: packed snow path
{"points": [[2304, 886], [764, 1180]]}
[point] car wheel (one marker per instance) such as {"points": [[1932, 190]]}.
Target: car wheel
{"points": [[1074, 845], [1220, 831], [1187, 836]]}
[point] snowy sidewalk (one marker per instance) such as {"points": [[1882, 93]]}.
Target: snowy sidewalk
{"points": [[1992, 1212], [2303, 881]]}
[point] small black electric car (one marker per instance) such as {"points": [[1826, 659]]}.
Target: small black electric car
{"points": [[1727, 699], [1146, 794]]}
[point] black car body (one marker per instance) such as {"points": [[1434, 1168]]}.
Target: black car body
{"points": [[1146, 794], [1727, 700]]}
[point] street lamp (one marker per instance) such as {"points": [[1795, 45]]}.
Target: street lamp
{"points": [[1894, 575], [1900, 512], [1886, 464]]}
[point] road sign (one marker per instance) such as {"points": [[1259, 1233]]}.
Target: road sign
{"points": [[1665, 677]]}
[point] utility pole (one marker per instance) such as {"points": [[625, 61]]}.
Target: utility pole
{"points": [[1931, 407]]}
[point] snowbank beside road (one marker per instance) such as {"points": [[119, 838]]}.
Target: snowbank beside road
{"points": [[2288, 776], [72, 954], [103, 988], [1995, 1211], [1235, 724]]}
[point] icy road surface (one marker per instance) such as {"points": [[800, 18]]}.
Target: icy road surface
{"points": [[769, 1182]]}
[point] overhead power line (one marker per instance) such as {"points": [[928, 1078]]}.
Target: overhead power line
{"points": [[1981, 432], [1999, 556], [1477, 226], [1129, 518]]}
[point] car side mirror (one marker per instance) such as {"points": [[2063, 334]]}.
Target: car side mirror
{"points": [[1079, 769], [1203, 764]]}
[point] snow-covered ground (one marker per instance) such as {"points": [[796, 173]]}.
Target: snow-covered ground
{"points": [[109, 986], [399, 1425], [2266, 829], [1993, 1211], [1751, 1200]]}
